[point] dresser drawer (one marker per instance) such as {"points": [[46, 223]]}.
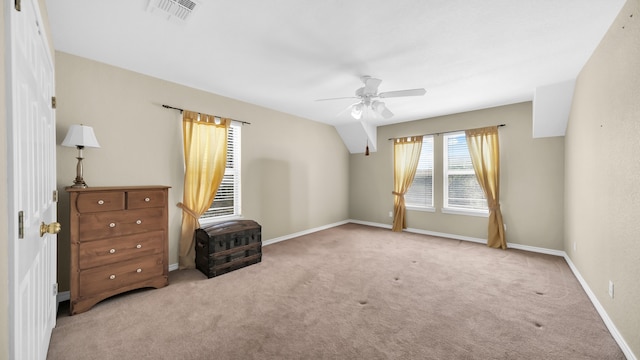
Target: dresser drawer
{"points": [[101, 225], [107, 278], [100, 201], [109, 251], [140, 199]]}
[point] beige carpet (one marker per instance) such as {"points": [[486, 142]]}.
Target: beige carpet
{"points": [[353, 292]]}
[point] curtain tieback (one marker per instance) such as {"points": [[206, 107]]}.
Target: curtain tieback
{"points": [[397, 193], [188, 211]]}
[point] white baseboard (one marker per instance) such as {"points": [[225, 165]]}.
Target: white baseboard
{"points": [[601, 311], [449, 236], [537, 249], [63, 296], [465, 238], [369, 223], [305, 232]]}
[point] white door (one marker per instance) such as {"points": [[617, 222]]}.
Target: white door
{"points": [[32, 182]]}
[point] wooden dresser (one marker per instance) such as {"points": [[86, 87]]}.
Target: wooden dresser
{"points": [[118, 242]]}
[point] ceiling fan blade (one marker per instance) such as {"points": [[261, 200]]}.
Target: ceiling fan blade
{"points": [[338, 98], [380, 108], [386, 113], [399, 93], [371, 85]]}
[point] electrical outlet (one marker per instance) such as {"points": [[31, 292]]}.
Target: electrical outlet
{"points": [[611, 289], [390, 213]]}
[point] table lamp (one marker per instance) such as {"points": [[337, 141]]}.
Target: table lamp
{"points": [[80, 136]]}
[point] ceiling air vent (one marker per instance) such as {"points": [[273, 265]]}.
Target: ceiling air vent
{"points": [[172, 9]]}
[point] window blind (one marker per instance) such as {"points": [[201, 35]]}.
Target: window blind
{"points": [[227, 200], [420, 193], [462, 190]]}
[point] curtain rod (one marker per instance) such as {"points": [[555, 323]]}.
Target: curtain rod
{"points": [[181, 110], [438, 133]]}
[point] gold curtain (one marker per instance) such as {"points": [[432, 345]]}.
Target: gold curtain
{"points": [[485, 156], [205, 156], [406, 154]]}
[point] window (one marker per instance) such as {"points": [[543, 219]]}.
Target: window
{"points": [[420, 193], [227, 200], [462, 193]]}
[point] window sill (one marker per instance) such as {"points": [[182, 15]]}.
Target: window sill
{"points": [[220, 219], [425, 209], [479, 213]]}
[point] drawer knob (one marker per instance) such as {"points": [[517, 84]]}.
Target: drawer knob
{"points": [[139, 270], [147, 199], [112, 251], [138, 246], [138, 222], [112, 277], [100, 202], [112, 225]]}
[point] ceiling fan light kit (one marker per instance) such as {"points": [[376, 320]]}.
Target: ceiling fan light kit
{"points": [[368, 94], [356, 111]]}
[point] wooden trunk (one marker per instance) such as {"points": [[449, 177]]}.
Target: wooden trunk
{"points": [[227, 246]]}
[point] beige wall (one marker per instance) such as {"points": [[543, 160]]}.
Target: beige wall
{"points": [[603, 173], [532, 179], [294, 171]]}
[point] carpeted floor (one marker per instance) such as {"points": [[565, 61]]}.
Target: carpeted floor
{"points": [[352, 292]]}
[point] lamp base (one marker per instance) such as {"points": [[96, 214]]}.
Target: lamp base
{"points": [[79, 183]]}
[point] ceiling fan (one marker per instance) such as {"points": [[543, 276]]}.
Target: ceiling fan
{"points": [[368, 98]]}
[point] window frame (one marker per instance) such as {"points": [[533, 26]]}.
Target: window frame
{"points": [[446, 207], [235, 144]]}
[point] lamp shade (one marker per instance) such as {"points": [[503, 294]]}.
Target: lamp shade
{"points": [[80, 135]]}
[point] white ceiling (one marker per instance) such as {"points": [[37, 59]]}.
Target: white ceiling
{"points": [[284, 54]]}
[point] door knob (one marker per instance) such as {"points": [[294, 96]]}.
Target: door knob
{"points": [[52, 228]]}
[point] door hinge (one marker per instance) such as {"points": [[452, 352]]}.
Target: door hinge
{"points": [[18, 5], [55, 196], [53, 102], [20, 224], [55, 289]]}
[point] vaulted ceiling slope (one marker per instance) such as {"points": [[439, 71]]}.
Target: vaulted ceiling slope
{"points": [[285, 54]]}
